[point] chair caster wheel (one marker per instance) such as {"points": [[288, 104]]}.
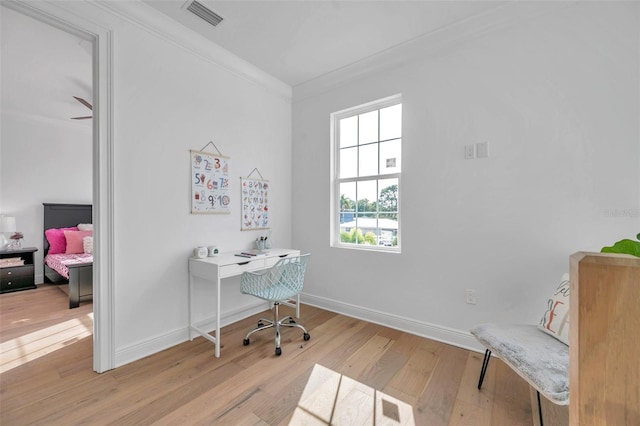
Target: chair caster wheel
{"points": [[278, 351], [292, 321], [306, 336], [260, 324], [246, 342]]}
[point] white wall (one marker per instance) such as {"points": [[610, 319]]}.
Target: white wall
{"points": [[557, 98], [173, 91], [169, 101]]}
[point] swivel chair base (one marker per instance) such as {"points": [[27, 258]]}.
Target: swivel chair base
{"points": [[264, 323]]}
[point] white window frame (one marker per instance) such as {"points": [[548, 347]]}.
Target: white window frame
{"points": [[335, 239]]}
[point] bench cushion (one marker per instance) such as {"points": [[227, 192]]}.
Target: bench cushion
{"points": [[536, 356]]}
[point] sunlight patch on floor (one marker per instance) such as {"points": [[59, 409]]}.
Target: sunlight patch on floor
{"points": [[329, 398], [23, 349]]}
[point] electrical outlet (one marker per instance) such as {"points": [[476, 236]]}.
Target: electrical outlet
{"points": [[470, 297], [469, 152]]}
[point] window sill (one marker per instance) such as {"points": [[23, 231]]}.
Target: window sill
{"points": [[362, 247]]}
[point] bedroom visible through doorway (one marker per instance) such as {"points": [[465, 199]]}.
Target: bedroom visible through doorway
{"points": [[47, 83]]}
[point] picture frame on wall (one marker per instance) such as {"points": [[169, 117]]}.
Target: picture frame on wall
{"points": [[254, 200], [210, 187]]}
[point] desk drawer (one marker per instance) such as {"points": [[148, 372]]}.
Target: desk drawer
{"points": [[273, 260], [239, 268]]}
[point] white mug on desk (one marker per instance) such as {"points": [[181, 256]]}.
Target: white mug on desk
{"points": [[200, 252]]}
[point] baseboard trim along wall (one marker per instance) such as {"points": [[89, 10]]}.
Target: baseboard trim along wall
{"points": [[462, 339], [164, 341]]}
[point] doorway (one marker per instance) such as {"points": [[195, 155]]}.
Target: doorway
{"points": [[98, 42]]}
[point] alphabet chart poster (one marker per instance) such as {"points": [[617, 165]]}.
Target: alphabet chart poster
{"points": [[210, 192], [255, 204]]}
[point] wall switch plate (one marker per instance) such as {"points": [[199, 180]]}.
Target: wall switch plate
{"points": [[470, 297], [482, 149], [469, 152]]}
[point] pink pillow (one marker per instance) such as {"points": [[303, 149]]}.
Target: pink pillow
{"points": [[57, 241], [74, 240]]}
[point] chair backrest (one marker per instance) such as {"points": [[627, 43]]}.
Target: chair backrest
{"points": [[289, 272], [282, 281]]}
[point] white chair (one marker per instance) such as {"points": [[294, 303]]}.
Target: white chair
{"points": [[280, 283]]}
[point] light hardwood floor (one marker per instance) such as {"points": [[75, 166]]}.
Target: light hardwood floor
{"points": [[351, 371]]}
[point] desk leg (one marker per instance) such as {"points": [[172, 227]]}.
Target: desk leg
{"points": [[190, 297], [218, 318], [298, 307]]}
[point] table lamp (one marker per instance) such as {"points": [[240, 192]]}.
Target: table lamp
{"points": [[7, 226]]}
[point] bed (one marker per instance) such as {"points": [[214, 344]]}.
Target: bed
{"points": [[74, 269]]}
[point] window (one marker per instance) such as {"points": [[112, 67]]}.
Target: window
{"points": [[367, 146]]}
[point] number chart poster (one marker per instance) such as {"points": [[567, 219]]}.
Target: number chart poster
{"points": [[210, 190], [255, 204]]}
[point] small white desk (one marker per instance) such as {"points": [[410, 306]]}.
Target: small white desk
{"points": [[214, 269]]}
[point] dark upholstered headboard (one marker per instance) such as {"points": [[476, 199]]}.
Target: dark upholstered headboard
{"points": [[65, 216]]}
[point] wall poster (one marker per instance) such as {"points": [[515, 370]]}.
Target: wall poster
{"points": [[255, 204], [209, 183]]}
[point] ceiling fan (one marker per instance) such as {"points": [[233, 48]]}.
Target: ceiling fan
{"points": [[85, 103]]}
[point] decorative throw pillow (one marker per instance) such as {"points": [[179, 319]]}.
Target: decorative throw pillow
{"points": [[74, 240], [555, 320], [57, 240], [85, 227], [87, 244]]}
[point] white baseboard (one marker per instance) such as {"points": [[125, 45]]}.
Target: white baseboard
{"points": [[462, 339], [164, 341]]}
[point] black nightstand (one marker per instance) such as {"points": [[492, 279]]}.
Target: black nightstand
{"points": [[15, 278]]}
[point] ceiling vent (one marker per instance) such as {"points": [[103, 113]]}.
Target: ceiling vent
{"points": [[205, 13]]}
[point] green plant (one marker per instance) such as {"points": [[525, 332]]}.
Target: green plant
{"points": [[354, 236], [625, 246], [370, 238]]}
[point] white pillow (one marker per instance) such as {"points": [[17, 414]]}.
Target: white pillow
{"points": [[85, 227], [87, 244], [555, 320]]}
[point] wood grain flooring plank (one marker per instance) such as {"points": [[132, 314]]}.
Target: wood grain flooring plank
{"points": [[473, 406], [436, 403]]}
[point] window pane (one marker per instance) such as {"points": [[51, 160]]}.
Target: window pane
{"points": [[366, 230], [388, 197], [368, 161], [367, 196], [349, 131], [390, 156], [391, 122], [368, 127], [349, 162], [347, 203], [388, 230]]}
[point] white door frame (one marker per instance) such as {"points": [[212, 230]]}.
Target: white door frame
{"points": [[103, 168]]}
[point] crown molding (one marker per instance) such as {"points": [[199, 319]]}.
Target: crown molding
{"points": [[158, 24], [503, 16]]}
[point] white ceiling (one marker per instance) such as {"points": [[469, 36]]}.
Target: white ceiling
{"points": [[294, 41], [299, 40]]}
